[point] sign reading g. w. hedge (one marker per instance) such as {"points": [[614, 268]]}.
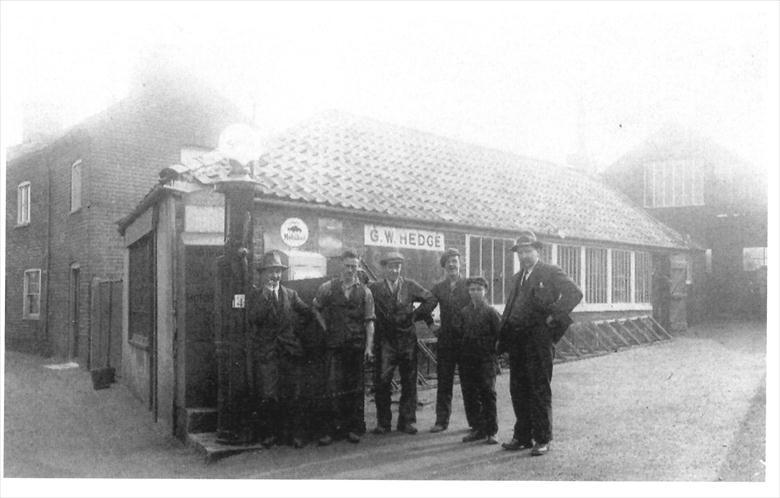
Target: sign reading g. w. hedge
{"points": [[408, 238]]}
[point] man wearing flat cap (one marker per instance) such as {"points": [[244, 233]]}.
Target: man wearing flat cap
{"points": [[394, 298], [451, 295], [274, 314], [535, 317]]}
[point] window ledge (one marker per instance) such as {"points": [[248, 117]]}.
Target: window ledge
{"points": [[22, 225], [32, 316], [74, 211], [139, 342]]}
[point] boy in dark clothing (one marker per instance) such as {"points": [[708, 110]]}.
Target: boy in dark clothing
{"points": [[479, 324]]}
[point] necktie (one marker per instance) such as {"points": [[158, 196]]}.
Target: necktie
{"points": [[523, 278]]}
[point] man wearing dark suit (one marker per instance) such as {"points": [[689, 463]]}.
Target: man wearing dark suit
{"points": [[535, 317], [452, 295], [277, 352], [394, 298]]}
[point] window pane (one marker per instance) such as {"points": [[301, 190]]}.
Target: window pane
{"points": [[753, 258], [545, 254], [497, 286], [474, 256], [679, 180], [596, 275], [509, 266], [621, 276], [75, 187], [487, 259], [33, 282], [642, 277], [569, 261]]}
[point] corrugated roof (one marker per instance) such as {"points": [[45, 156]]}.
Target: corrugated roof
{"points": [[337, 159]]}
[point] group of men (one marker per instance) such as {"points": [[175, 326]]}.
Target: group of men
{"points": [[377, 322]]}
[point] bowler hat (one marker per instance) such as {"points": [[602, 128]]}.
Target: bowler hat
{"points": [[527, 239], [477, 280], [271, 259], [447, 255], [392, 257]]}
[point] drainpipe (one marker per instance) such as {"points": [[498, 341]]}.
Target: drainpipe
{"points": [[46, 348]]}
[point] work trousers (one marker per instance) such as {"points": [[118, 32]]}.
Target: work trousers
{"points": [[345, 397], [404, 357], [478, 381], [447, 359], [530, 374], [280, 410]]}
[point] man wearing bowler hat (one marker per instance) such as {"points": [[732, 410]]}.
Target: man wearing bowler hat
{"points": [[535, 317], [394, 298], [277, 352], [452, 295]]}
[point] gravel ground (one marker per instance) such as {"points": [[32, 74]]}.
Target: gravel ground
{"points": [[685, 410]]}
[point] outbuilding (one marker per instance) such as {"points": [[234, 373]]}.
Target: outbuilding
{"points": [[339, 181]]}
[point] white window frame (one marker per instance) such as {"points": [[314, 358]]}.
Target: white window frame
{"points": [[26, 292], [662, 180], [23, 193], [76, 181]]}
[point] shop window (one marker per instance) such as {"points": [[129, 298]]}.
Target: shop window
{"points": [[569, 260], [141, 289], [75, 186], [621, 276], [595, 275], [32, 294], [494, 260], [642, 272], [753, 258], [23, 204]]}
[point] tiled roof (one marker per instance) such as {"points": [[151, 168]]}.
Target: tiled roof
{"points": [[341, 160]]}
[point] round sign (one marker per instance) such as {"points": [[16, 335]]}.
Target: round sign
{"points": [[294, 232]]}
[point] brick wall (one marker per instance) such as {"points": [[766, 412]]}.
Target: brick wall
{"points": [[122, 151]]}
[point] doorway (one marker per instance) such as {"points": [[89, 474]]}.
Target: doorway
{"points": [[74, 307]]}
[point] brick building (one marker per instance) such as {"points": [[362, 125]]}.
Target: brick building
{"points": [[64, 196], [719, 200], [340, 181]]}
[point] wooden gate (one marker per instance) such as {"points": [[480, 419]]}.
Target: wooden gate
{"points": [[105, 334]]}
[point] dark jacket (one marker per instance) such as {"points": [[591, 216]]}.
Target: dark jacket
{"points": [[395, 313], [479, 327], [275, 328], [548, 291], [450, 301]]}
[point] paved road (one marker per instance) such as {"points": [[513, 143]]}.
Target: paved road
{"points": [[688, 409]]}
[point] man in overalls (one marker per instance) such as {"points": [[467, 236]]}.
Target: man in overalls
{"points": [[345, 307], [394, 298]]}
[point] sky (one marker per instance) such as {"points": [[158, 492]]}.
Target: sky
{"points": [[545, 80]]}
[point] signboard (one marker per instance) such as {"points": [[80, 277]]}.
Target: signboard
{"points": [[407, 238], [239, 301], [294, 232]]}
